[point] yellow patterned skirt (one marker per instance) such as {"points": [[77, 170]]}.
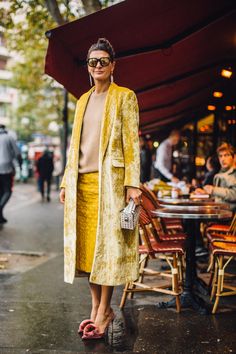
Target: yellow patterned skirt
{"points": [[87, 213]]}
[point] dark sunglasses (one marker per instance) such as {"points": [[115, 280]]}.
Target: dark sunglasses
{"points": [[103, 61]]}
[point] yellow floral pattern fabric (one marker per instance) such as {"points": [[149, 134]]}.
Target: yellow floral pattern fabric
{"points": [[87, 216], [116, 251]]}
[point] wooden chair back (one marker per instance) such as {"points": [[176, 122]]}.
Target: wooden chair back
{"points": [[147, 199], [232, 228], [151, 195], [147, 222], [149, 203]]}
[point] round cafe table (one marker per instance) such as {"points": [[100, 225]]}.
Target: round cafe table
{"points": [[191, 214], [177, 203]]}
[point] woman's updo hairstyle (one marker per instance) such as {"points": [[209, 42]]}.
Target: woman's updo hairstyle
{"points": [[104, 45]]}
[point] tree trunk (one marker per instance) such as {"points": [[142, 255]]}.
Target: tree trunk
{"points": [[53, 9], [91, 6]]}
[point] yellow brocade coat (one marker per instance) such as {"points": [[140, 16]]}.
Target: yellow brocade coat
{"points": [[116, 251]]}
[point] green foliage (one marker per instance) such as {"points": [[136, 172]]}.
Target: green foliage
{"points": [[40, 99], [26, 22]]}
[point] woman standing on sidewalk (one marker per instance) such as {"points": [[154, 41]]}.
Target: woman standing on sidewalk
{"points": [[102, 174]]}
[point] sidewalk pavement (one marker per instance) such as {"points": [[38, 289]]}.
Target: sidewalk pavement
{"points": [[39, 313]]}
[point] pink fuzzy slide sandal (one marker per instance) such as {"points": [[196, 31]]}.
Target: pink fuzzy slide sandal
{"points": [[83, 324]]}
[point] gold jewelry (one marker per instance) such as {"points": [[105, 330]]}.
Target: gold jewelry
{"points": [[91, 80]]}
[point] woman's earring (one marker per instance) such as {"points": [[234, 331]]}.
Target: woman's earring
{"points": [[91, 80], [112, 78]]}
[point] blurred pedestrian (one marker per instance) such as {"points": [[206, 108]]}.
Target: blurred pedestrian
{"points": [[57, 171], [98, 181], [164, 160], [8, 152], [45, 170], [145, 160]]}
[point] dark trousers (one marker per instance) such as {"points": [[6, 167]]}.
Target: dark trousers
{"points": [[42, 181], [57, 182], [158, 174], [5, 190]]}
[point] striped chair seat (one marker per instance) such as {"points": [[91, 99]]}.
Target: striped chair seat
{"points": [[223, 248], [217, 237]]}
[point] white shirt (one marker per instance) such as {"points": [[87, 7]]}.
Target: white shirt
{"points": [[163, 161]]}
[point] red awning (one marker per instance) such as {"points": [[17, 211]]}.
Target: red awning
{"points": [[169, 52]]}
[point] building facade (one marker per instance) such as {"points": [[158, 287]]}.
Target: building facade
{"points": [[8, 95]]}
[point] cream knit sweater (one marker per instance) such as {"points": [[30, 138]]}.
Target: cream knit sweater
{"points": [[91, 130]]}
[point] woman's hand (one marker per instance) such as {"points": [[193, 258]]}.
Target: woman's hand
{"points": [[62, 195], [133, 193]]}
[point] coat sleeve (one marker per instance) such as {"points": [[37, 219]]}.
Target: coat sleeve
{"points": [[228, 194], [130, 140], [63, 182]]}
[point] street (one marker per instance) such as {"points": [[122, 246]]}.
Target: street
{"points": [[39, 313]]}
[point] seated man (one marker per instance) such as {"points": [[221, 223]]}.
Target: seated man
{"points": [[224, 183]]}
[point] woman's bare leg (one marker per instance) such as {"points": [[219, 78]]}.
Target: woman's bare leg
{"points": [[95, 290], [104, 312]]}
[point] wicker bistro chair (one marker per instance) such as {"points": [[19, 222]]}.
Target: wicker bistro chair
{"points": [[168, 225], [149, 248], [223, 253], [219, 233], [166, 228], [162, 231], [222, 237], [215, 231]]}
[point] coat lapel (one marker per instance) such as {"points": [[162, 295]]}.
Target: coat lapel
{"points": [[108, 117], [82, 104]]}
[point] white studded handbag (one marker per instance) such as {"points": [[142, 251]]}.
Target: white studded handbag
{"points": [[129, 216]]}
